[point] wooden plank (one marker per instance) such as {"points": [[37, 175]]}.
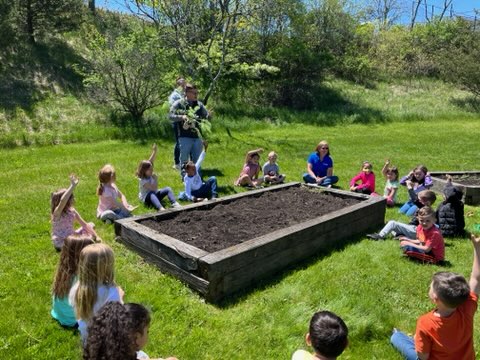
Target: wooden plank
{"points": [[470, 192], [169, 249], [241, 278], [195, 282]]}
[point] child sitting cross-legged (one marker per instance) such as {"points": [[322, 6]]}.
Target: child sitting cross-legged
{"points": [[447, 331], [428, 240], [396, 228], [195, 188], [251, 169], [271, 170], [327, 335], [366, 177]]}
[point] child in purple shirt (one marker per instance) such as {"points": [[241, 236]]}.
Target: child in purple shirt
{"points": [[251, 169]]}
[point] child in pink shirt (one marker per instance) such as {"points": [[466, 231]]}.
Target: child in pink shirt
{"points": [[251, 169], [366, 177]]}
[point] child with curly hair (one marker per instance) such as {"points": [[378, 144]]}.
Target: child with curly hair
{"points": [[118, 332]]}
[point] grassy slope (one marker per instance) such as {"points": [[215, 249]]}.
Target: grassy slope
{"points": [[367, 283]]}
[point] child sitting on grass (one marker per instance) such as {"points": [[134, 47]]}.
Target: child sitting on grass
{"points": [[118, 331], [417, 180], [396, 228], [447, 331], [327, 335], [64, 216], [391, 187], [195, 188], [450, 213], [149, 193], [112, 204], [366, 178], [428, 238], [249, 175], [271, 170]]}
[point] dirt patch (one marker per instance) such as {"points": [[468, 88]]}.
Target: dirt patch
{"points": [[243, 219], [465, 179]]}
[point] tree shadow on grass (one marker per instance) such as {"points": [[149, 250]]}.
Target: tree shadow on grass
{"points": [[152, 127], [276, 278], [470, 103], [331, 108], [30, 72]]}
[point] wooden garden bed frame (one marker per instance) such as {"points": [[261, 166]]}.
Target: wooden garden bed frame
{"points": [[221, 273]]}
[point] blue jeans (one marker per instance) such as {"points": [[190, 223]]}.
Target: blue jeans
{"points": [[329, 180], [404, 344], [160, 194], [414, 249], [408, 208], [190, 149], [208, 189], [113, 215]]}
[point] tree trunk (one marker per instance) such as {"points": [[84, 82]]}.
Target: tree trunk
{"points": [[30, 26], [91, 5]]}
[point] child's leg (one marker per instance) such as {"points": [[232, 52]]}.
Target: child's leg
{"points": [[404, 344], [212, 186], [208, 189], [109, 215], [399, 228], [166, 191], [152, 200], [257, 182], [411, 211], [244, 180], [405, 207]]}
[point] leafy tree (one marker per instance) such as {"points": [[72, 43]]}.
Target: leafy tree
{"points": [[128, 69]]}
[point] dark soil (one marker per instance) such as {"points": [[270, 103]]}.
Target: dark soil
{"points": [[465, 179], [246, 218]]}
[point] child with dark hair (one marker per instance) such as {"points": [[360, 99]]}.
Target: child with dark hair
{"points": [[195, 188], [450, 213], [149, 193], [366, 177], [417, 180], [118, 331], [428, 239], [327, 335], [447, 331], [396, 228]]}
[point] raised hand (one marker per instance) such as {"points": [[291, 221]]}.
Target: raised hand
{"points": [[73, 180]]}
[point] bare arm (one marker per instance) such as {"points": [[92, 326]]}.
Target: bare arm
{"points": [[475, 275], [65, 197], [86, 226], [330, 171], [154, 153], [385, 167]]}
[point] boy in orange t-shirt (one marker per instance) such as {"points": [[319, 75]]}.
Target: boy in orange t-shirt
{"points": [[446, 332]]}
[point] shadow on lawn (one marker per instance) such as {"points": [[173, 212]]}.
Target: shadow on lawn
{"points": [[29, 72], [263, 284], [470, 104]]}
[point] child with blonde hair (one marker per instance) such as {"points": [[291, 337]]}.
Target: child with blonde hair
{"points": [[65, 277], [149, 193], [251, 169], [271, 170], [391, 187], [64, 216], [366, 177], [95, 285], [112, 204]]}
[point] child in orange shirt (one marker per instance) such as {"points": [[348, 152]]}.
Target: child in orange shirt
{"points": [[447, 331]]}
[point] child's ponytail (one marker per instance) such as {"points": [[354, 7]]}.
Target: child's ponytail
{"points": [[105, 175]]}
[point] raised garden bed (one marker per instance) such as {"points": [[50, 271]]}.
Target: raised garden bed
{"points": [[468, 181], [219, 248]]}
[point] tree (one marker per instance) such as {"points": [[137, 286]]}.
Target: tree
{"points": [[203, 33], [128, 69], [386, 12], [40, 17]]}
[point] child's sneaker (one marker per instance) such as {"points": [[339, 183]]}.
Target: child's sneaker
{"points": [[176, 205], [375, 236], [161, 208]]}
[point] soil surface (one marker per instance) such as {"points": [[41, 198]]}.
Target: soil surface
{"points": [[246, 218], [465, 179]]}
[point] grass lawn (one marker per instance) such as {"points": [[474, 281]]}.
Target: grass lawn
{"points": [[367, 283]]}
